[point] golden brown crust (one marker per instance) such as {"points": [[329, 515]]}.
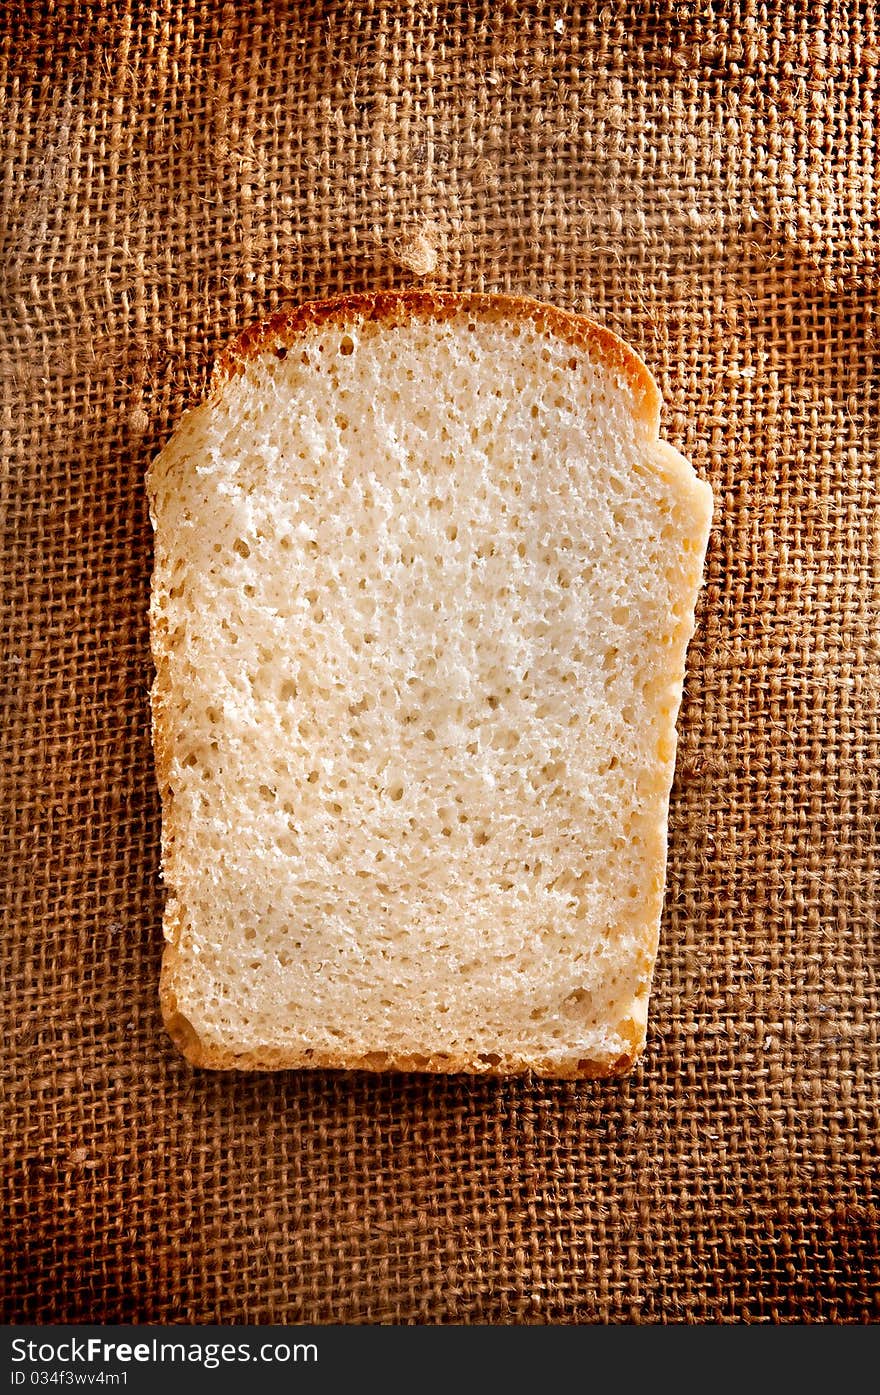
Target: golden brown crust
{"points": [[204, 1055], [390, 308]]}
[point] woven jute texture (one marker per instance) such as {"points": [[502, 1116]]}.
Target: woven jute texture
{"points": [[701, 177]]}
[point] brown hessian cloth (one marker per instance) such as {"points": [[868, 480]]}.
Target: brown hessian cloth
{"points": [[703, 178]]}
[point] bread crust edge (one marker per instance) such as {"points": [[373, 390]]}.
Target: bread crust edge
{"points": [[212, 1057], [390, 308]]}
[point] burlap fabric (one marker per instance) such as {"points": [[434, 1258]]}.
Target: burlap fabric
{"points": [[704, 179]]}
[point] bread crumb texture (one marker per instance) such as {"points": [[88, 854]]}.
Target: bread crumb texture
{"points": [[423, 588]]}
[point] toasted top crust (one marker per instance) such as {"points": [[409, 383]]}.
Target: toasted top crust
{"points": [[400, 307]]}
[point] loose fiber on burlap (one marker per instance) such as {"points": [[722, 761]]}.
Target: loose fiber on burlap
{"points": [[704, 179]]}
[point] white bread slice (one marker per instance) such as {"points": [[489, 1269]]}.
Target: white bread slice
{"points": [[424, 582]]}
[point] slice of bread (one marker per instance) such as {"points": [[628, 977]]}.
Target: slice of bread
{"points": [[424, 581]]}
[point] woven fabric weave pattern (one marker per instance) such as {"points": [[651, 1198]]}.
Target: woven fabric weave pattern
{"points": [[703, 179]]}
